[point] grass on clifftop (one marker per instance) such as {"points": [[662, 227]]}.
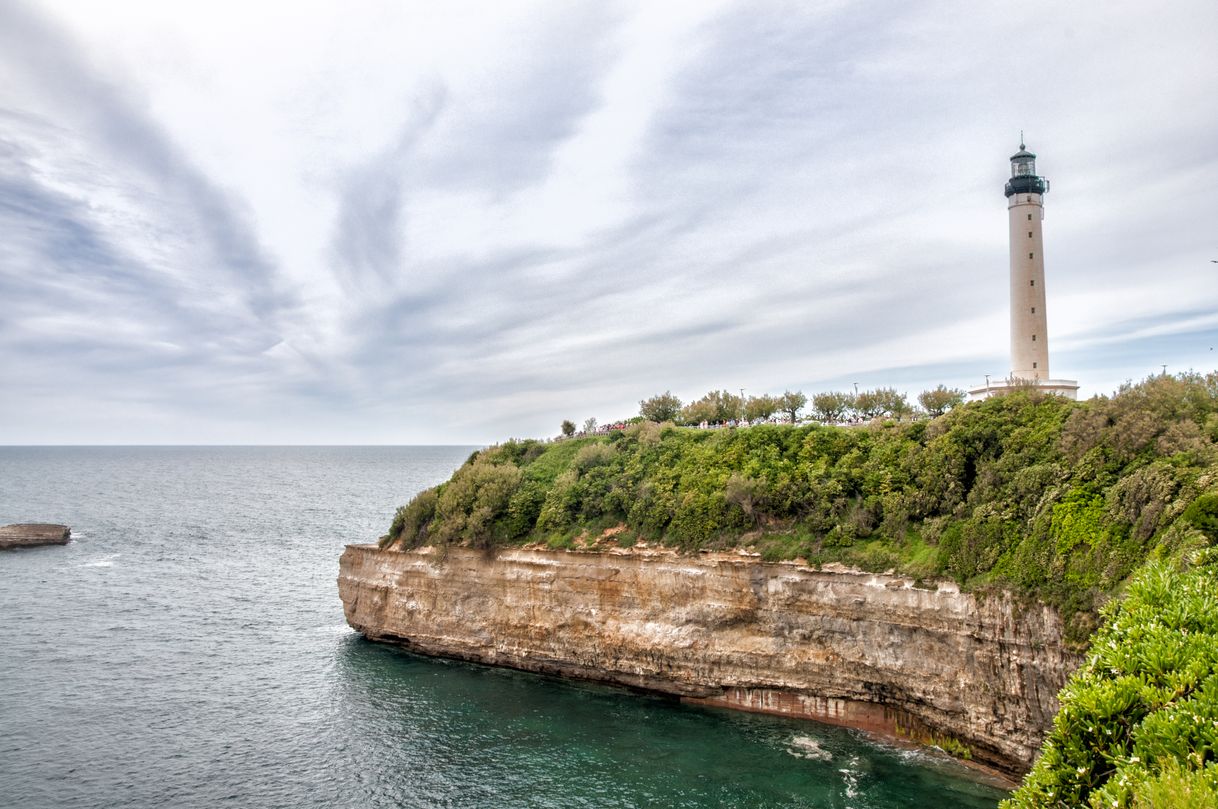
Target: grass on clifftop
{"points": [[1060, 500]]}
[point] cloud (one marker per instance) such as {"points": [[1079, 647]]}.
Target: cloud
{"points": [[122, 135], [368, 242], [123, 268], [466, 224]]}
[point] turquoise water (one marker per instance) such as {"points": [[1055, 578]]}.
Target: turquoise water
{"points": [[188, 649]]}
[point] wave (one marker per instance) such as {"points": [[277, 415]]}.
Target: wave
{"points": [[809, 748], [105, 561]]}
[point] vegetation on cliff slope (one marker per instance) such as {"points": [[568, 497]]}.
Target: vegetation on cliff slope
{"points": [[1138, 725], [1058, 499]]}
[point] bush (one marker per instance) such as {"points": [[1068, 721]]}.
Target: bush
{"points": [[1138, 724], [592, 455], [744, 494], [411, 521], [1203, 515], [470, 503]]}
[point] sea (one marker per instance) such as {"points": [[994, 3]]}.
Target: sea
{"points": [[188, 649]]}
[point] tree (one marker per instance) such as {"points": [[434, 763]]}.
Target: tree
{"points": [[716, 406], [697, 412], [660, 408], [760, 408], [791, 402], [895, 404], [568, 428], [590, 425], [938, 401], [831, 406], [868, 404], [872, 404]]}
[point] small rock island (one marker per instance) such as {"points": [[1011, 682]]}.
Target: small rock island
{"points": [[33, 534]]}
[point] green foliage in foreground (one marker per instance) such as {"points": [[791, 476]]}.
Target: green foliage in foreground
{"points": [[1060, 500], [1138, 725]]}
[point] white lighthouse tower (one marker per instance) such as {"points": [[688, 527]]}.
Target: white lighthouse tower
{"points": [[1025, 193]]}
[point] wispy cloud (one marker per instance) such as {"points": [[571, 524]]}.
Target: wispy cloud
{"points": [[465, 224], [123, 268], [368, 242]]}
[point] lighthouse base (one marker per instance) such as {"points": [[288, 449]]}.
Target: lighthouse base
{"points": [[1067, 388]]}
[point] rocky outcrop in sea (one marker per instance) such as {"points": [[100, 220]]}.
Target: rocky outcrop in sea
{"points": [[29, 535]]}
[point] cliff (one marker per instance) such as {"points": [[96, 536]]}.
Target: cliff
{"points": [[1057, 500], [860, 649], [29, 535]]}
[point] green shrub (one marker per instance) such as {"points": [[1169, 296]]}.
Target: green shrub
{"points": [[592, 455], [1173, 787], [1138, 724], [1203, 515], [411, 521], [523, 509], [470, 503], [701, 517]]}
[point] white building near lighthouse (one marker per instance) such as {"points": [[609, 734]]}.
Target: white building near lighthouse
{"points": [[1025, 194]]}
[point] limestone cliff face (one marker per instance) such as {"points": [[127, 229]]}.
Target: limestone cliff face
{"points": [[848, 647]]}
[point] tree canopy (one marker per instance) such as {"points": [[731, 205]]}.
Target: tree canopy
{"points": [[715, 407], [831, 407], [660, 408], [791, 402], [939, 400], [760, 408]]}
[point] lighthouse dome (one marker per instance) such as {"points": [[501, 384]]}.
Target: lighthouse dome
{"points": [[1024, 179]]}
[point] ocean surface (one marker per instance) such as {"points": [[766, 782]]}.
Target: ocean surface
{"points": [[188, 649]]}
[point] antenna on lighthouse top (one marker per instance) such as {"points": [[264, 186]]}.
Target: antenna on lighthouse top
{"points": [[1021, 146]]}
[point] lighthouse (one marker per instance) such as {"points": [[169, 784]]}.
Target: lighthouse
{"points": [[1025, 193]]}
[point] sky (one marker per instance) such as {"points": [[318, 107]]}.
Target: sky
{"points": [[460, 222]]}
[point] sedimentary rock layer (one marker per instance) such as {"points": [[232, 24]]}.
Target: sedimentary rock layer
{"points": [[849, 647]]}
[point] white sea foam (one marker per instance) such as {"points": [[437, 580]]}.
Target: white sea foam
{"points": [[105, 561], [851, 777], [807, 747]]}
